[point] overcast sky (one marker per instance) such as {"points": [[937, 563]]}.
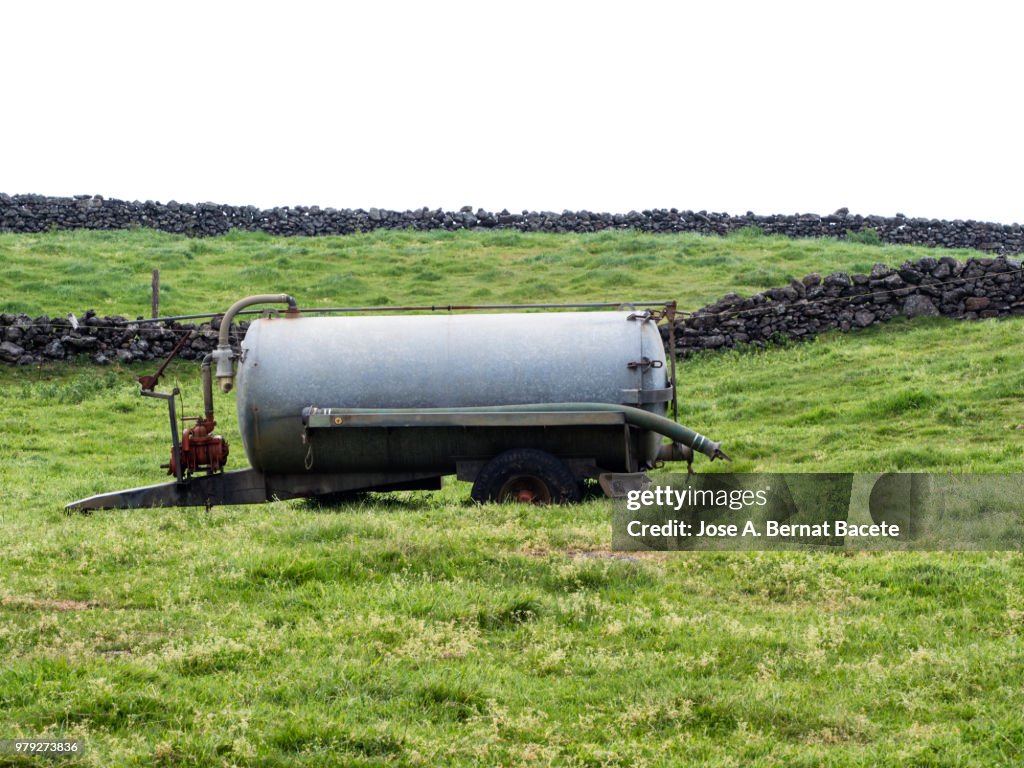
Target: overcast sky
{"points": [[776, 107]]}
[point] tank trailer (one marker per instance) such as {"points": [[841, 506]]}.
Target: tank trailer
{"points": [[526, 406]]}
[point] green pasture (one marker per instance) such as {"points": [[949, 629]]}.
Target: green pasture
{"points": [[420, 629], [60, 272]]}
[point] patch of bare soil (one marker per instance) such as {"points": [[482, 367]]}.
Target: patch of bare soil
{"points": [[597, 552], [43, 604]]}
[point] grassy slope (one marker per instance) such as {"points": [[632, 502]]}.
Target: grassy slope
{"points": [[421, 629], [110, 271], [927, 395]]}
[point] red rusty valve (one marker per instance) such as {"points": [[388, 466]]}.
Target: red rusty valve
{"points": [[199, 451]]}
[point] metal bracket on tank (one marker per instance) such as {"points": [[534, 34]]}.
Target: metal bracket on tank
{"points": [[647, 396], [667, 314], [644, 364], [646, 315]]}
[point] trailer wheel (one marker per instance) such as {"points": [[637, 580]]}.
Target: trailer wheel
{"points": [[526, 475]]}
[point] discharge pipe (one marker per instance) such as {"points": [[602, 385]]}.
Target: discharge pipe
{"points": [[223, 354]]}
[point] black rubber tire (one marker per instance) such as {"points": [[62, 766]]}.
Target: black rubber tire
{"points": [[526, 475]]}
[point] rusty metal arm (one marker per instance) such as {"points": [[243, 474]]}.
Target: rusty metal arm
{"points": [[149, 382]]}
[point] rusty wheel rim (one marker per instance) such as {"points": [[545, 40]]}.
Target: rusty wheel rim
{"points": [[525, 489]]}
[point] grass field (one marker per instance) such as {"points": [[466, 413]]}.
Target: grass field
{"points": [[111, 270], [419, 629]]}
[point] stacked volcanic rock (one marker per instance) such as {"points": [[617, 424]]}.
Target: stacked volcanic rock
{"points": [[977, 288], [25, 340], [37, 213], [971, 290]]}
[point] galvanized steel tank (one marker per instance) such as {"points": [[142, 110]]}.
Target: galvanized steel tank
{"points": [[431, 361]]}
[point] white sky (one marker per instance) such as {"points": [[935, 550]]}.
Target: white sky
{"points": [[775, 107]]}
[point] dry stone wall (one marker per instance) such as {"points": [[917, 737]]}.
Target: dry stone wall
{"points": [[102, 340], [970, 290], [38, 213], [976, 288]]}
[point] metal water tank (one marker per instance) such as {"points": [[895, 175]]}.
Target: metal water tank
{"points": [[429, 361]]}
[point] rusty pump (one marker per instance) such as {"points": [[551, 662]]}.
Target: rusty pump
{"points": [[199, 449]]}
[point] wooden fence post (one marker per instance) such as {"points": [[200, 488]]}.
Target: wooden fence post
{"points": [[156, 293]]}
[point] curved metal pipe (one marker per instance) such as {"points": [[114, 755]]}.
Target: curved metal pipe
{"points": [[645, 420], [248, 301], [223, 354]]}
